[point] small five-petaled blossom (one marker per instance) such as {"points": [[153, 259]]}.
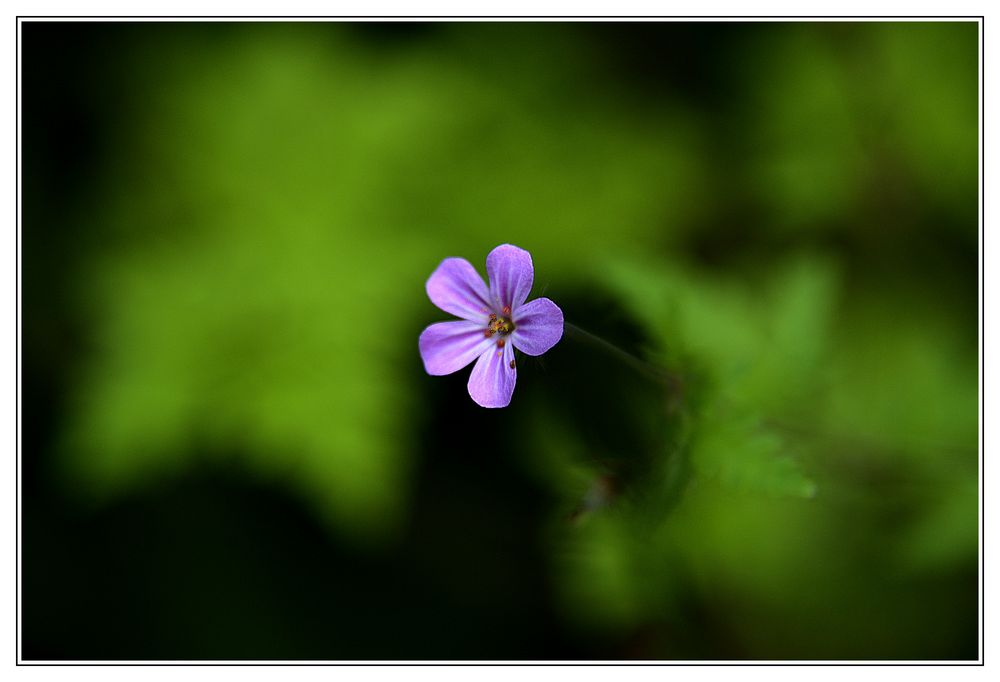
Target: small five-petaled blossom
{"points": [[495, 321]]}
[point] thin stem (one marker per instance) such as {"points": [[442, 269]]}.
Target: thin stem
{"points": [[647, 369]]}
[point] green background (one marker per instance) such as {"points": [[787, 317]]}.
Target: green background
{"points": [[231, 450]]}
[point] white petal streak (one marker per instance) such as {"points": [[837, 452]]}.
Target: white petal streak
{"points": [[447, 347], [491, 383]]}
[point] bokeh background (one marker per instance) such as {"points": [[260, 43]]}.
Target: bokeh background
{"points": [[231, 450]]}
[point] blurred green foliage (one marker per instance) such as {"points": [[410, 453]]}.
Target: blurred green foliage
{"points": [[268, 297], [779, 219]]}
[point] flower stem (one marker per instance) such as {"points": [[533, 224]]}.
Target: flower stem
{"points": [[647, 369]]}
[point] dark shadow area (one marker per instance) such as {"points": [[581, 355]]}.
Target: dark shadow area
{"points": [[219, 566]]}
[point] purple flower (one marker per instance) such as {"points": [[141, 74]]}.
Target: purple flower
{"points": [[495, 321]]}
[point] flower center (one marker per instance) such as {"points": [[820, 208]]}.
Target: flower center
{"points": [[499, 325]]}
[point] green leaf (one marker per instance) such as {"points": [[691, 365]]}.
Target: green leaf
{"points": [[740, 453]]}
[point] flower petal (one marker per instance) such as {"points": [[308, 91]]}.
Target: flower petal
{"points": [[455, 287], [539, 326], [491, 383], [447, 347], [511, 274]]}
